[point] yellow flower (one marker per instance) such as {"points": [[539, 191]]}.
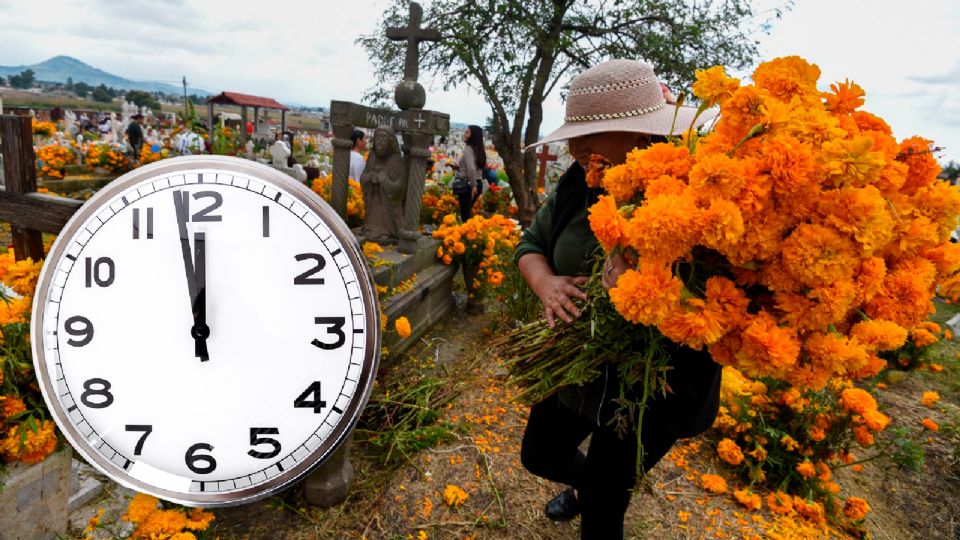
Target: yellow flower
{"points": [[929, 398], [402, 326], [453, 496], [713, 86]]}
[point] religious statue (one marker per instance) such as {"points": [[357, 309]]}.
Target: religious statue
{"points": [[279, 152], [384, 183]]}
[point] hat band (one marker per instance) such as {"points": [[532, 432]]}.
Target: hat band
{"points": [[611, 116]]}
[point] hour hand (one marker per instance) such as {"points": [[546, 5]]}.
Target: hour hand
{"points": [[194, 269]]}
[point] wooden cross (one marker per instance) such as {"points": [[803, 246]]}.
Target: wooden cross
{"points": [[544, 157], [413, 35], [28, 213]]}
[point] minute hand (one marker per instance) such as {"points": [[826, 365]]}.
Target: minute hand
{"points": [[199, 331]]}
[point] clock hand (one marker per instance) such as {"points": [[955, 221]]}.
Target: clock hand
{"points": [[199, 331]]}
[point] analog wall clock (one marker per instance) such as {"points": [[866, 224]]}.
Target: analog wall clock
{"points": [[206, 330]]}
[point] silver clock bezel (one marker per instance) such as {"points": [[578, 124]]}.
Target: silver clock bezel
{"points": [[301, 194]]}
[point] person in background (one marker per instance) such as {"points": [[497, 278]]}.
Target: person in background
{"points": [[135, 136], [357, 162], [469, 168], [612, 108]]}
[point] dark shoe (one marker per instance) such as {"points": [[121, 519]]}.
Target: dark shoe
{"points": [[563, 507]]}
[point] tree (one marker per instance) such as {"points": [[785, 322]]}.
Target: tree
{"points": [[81, 89], [515, 53], [3, 82], [25, 79], [142, 99], [951, 171], [102, 94]]}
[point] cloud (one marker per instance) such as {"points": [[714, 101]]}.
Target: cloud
{"points": [[951, 77]]}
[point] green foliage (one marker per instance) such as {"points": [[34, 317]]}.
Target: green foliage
{"points": [[905, 450], [102, 94], [25, 79], [81, 89], [519, 303], [143, 99]]}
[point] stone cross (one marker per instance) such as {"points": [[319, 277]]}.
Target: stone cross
{"points": [[544, 157], [413, 35]]}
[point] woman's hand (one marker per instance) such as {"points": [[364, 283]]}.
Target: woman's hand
{"points": [[615, 265], [557, 294]]}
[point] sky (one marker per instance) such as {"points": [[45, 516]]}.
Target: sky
{"points": [[303, 51]]}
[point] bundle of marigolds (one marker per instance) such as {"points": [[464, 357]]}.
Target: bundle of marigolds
{"points": [[482, 243], [152, 154], [109, 157], [43, 129], [797, 240], [154, 519], [355, 208], [26, 433], [793, 440], [53, 159]]}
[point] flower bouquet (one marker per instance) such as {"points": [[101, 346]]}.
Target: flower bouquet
{"points": [[796, 240], [482, 245], [355, 208]]}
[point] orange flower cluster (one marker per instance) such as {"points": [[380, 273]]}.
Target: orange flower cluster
{"points": [[791, 439], [797, 240], [437, 203], [152, 520], [482, 242], [355, 208], [44, 129], [106, 156], [53, 158], [147, 155]]}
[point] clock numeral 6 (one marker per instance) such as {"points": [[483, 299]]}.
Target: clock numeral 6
{"points": [[304, 278], [256, 439], [146, 429], [208, 463], [78, 325], [94, 274], [304, 400], [102, 390], [336, 329]]}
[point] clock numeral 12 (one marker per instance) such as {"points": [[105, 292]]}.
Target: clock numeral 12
{"points": [[304, 400], [136, 223], [94, 274], [191, 458], [256, 439]]}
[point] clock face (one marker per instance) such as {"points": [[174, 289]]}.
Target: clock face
{"points": [[206, 330]]}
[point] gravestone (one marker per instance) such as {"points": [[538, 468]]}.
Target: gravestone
{"points": [[544, 157]]}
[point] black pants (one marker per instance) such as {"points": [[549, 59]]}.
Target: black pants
{"points": [[605, 476], [467, 200]]}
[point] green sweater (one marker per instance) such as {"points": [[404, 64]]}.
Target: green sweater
{"points": [[573, 254]]}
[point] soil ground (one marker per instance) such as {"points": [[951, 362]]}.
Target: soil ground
{"points": [[405, 498]]}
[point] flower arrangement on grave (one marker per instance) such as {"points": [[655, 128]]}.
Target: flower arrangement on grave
{"points": [[108, 156], [53, 159], [355, 208], [225, 141], [437, 203], [496, 200], [152, 154], [797, 240], [484, 244], [27, 434], [44, 129]]}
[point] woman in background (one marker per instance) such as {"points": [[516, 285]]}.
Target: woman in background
{"points": [[470, 167]]}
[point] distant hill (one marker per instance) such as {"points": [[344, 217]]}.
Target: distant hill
{"points": [[60, 68]]}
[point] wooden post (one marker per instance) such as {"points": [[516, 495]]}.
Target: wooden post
{"points": [[256, 120], [210, 119], [20, 172], [243, 124], [283, 124]]}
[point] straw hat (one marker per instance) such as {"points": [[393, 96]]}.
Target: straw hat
{"points": [[621, 95]]}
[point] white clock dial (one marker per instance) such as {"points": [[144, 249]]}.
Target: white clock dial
{"points": [[207, 331]]}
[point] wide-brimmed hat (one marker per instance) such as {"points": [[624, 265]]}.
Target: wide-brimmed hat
{"points": [[621, 95]]}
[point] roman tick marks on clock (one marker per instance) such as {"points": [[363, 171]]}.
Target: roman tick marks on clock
{"points": [[210, 326]]}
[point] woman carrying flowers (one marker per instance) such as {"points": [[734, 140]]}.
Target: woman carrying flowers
{"points": [[612, 108]]}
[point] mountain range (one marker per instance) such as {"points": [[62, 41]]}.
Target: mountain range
{"points": [[60, 68]]}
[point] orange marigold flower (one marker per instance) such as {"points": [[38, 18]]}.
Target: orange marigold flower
{"points": [[930, 424], [713, 86], [767, 349], [729, 451], [863, 435], [806, 469], [923, 167], [787, 77], [818, 255], [598, 164], [850, 162], [788, 443], [857, 401], [844, 98], [402, 325], [606, 222], [780, 503], [11, 406], [713, 483], [855, 508], [879, 335], [664, 227], [716, 176], [748, 499], [929, 398], [646, 296], [454, 496]]}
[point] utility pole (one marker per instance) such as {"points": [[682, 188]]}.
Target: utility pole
{"points": [[186, 113]]}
